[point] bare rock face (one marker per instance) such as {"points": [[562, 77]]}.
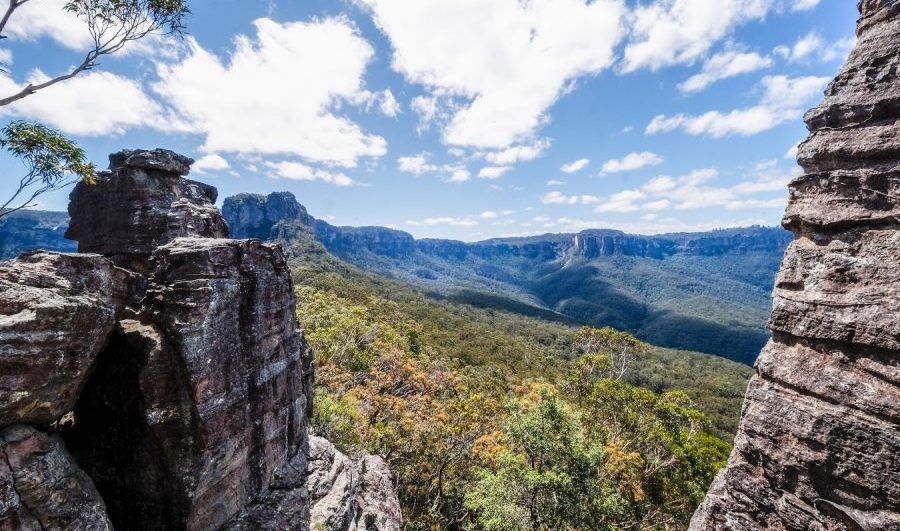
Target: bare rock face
{"points": [[42, 489], [819, 442], [172, 390], [210, 389], [335, 493], [142, 202], [56, 311]]}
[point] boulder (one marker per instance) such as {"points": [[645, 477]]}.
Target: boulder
{"points": [[142, 202], [42, 489], [56, 314]]}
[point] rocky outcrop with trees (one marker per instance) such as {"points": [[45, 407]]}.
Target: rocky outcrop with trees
{"points": [[819, 442], [162, 381]]}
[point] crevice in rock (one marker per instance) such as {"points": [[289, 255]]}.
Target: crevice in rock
{"points": [[112, 441]]}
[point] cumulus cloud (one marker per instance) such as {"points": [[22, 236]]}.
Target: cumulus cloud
{"points": [[839, 50], [211, 162], [497, 66], [558, 198], [724, 65], [694, 191], [48, 18], [493, 172], [444, 220], [575, 166], [518, 153], [278, 93], [630, 162], [420, 164], [301, 172], [805, 47], [784, 99], [388, 104], [554, 182], [416, 164], [92, 104]]}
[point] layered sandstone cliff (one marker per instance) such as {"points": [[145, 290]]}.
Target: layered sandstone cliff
{"points": [[819, 441], [162, 383]]}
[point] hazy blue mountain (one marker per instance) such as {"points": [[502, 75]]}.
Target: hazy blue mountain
{"points": [[707, 292], [33, 229]]}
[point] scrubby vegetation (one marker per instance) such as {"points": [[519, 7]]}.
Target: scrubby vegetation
{"points": [[493, 420]]}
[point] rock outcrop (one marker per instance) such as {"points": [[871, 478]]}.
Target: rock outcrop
{"points": [[165, 384], [819, 442], [141, 203]]}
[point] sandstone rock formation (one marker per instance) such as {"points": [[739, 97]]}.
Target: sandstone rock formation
{"points": [[142, 202], [166, 384], [41, 488], [819, 442]]}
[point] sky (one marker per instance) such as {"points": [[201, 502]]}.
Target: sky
{"points": [[463, 119]]}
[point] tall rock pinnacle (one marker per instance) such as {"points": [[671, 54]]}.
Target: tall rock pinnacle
{"points": [[819, 441]]}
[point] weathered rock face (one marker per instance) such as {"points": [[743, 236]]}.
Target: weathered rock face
{"points": [[180, 381], [42, 489], [211, 388], [819, 442], [142, 202], [336, 494], [56, 312]]}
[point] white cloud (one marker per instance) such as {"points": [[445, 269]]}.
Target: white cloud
{"points": [[791, 153], [503, 63], [783, 100], [557, 198], [519, 153], [459, 175], [576, 166], [839, 50], [388, 104], [6, 57], [489, 214], [444, 220], [693, 191], [630, 162], [493, 172], [211, 162], [554, 182], [92, 104], [723, 65], [48, 18], [279, 93], [668, 32], [805, 47], [301, 172], [416, 164], [803, 5]]}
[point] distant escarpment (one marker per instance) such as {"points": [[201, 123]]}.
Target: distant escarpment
{"points": [[707, 292], [819, 441], [158, 378], [34, 229]]}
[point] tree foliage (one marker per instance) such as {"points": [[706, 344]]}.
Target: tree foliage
{"points": [[478, 416], [52, 161]]}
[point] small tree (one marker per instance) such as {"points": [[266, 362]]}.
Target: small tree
{"points": [[52, 161], [607, 352]]}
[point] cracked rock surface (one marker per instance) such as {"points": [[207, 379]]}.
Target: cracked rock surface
{"points": [[818, 446]]}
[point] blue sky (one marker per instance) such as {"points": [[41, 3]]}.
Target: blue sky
{"points": [[464, 119]]}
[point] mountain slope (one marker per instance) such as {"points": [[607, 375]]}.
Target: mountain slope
{"points": [[707, 292]]}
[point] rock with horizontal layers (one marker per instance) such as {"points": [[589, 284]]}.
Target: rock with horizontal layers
{"points": [[42, 489], [322, 489], [56, 312], [142, 202], [818, 447], [193, 408]]}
